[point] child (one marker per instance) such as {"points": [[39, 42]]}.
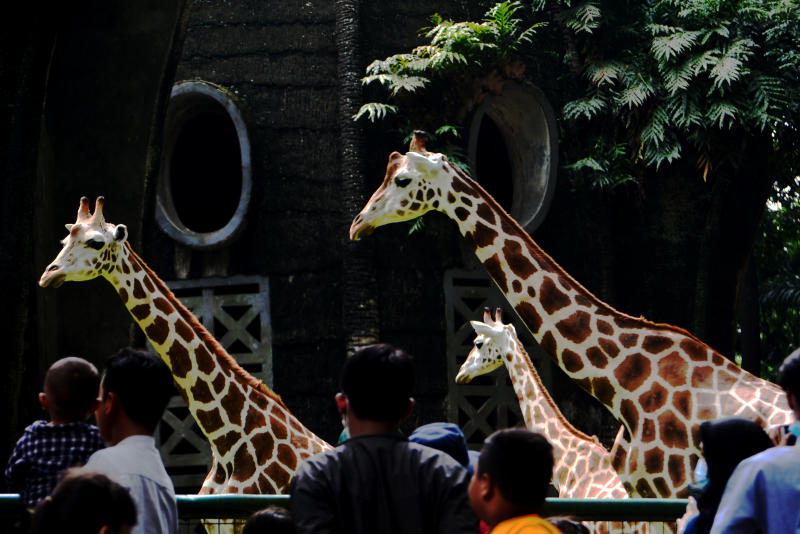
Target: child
{"points": [[510, 482], [270, 520], [85, 503], [46, 449]]}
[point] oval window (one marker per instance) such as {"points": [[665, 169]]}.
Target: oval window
{"points": [[513, 147], [204, 183]]}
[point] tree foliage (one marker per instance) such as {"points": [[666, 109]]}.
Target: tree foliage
{"points": [[673, 78]]}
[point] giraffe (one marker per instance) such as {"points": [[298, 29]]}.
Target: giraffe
{"points": [[582, 467], [658, 380], [256, 442]]}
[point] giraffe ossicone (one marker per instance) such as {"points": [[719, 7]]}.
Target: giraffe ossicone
{"points": [[658, 380], [256, 442]]}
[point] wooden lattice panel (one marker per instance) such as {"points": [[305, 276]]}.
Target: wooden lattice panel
{"points": [[488, 402], [236, 312]]}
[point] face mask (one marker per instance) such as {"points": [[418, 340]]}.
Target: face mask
{"points": [[794, 429], [698, 487]]}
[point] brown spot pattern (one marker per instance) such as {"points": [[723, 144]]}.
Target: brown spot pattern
{"points": [[576, 327], [603, 390], [141, 311], [138, 292], [672, 368], [451, 197], [233, 401], [179, 360], [609, 347], [552, 298], [278, 474], [604, 327], [495, 270], [703, 377], [548, 344], [656, 344], [149, 284], [517, 286], [682, 400], [654, 398], [630, 414], [163, 305], [517, 261], [210, 420], [677, 473], [529, 316], [123, 294], [287, 456], [461, 186], [654, 460], [531, 292], [580, 300], [158, 330], [571, 361], [278, 428], [633, 371], [263, 444], [243, 464], [648, 431], [183, 330], [695, 350], [644, 490], [628, 340], [201, 392], [205, 363], [461, 213], [225, 442], [673, 431], [485, 212], [254, 420], [219, 383], [483, 236], [597, 357]]}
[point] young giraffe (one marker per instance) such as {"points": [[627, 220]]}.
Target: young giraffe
{"points": [[256, 442], [582, 465], [658, 380]]}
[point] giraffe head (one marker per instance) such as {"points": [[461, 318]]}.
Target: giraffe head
{"points": [[90, 248], [492, 343], [414, 184]]}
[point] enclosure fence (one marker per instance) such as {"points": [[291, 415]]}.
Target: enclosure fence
{"points": [[196, 512]]}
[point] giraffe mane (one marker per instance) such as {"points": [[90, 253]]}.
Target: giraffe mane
{"points": [[204, 334], [544, 258]]}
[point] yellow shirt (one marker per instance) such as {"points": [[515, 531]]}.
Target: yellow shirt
{"points": [[525, 524]]}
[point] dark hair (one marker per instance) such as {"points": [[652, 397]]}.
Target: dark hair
{"points": [[270, 520], [377, 381], [520, 463], [71, 385], [726, 442], [568, 525], [789, 374], [82, 503], [142, 383]]}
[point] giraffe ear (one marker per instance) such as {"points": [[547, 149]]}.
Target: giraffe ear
{"points": [[120, 233], [69, 227], [481, 328]]}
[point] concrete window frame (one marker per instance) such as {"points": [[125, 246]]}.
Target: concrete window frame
{"points": [[527, 122], [187, 99]]}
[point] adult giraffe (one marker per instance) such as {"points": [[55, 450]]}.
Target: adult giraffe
{"points": [[256, 442], [658, 380]]}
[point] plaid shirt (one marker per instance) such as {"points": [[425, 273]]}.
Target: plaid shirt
{"points": [[43, 452]]}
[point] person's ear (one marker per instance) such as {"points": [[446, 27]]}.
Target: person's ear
{"points": [[409, 408], [341, 403], [486, 487], [95, 404], [43, 400]]}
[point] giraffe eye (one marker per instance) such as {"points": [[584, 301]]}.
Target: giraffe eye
{"points": [[96, 244], [479, 344], [402, 181]]}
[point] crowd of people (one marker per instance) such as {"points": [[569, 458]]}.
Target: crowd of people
{"points": [[76, 477]]}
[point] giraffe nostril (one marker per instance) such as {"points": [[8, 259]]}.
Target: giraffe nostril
{"points": [[52, 268]]}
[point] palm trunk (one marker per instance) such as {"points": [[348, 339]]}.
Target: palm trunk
{"points": [[359, 286]]}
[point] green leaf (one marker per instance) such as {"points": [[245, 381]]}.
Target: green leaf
{"points": [[375, 111], [587, 107]]}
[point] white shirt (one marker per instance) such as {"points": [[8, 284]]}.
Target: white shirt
{"points": [[136, 464]]}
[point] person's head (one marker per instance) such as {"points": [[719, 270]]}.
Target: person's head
{"points": [[270, 520], [789, 380], [377, 382], [726, 442], [138, 383], [446, 437], [70, 390], [567, 525], [85, 503], [513, 474]]}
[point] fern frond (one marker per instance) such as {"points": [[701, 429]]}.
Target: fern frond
{"points": [[722, 114], [670, 46], [603, 73], [584, 18], [634, 95], [587, 107], [654, 131], [375, 111]]}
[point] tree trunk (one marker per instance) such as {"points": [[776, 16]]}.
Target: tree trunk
{"points": [[359, 285]]}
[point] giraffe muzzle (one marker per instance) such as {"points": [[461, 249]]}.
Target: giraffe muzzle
{"points": [[51, 277], [359, 229]]}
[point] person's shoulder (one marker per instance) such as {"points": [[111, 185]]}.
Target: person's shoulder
{"points": [[37, 427]]}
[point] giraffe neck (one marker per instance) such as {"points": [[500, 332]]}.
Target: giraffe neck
{"points": [[583, 466], [232, 408]]}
